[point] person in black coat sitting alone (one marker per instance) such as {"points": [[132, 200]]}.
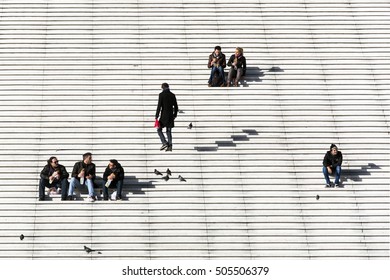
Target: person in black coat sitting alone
{"points": [[332, 164], [113, 177], [167, 105]]}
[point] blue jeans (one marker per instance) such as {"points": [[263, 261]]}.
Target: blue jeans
{"points": [[220, 71], [162, 137], [76, 183], [326, 174], [63, 184], [119, 186]]}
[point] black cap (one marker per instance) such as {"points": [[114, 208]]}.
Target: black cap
{"points": [[333, 146]]}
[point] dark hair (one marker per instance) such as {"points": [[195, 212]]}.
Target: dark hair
{"points": [[114, 161], [217, 48], [50, 159], [86, 155], [164, 86], [333, 146]]}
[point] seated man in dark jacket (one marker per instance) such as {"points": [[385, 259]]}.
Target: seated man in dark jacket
{"points": [[113, 177], [217, 62], [53, 176], [332, 164], [84, 173]]}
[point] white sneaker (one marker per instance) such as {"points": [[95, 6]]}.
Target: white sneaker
{"points": [[91, 199]]}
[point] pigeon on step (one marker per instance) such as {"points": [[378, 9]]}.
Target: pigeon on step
{"points": [[88, 250], [21, 237], [317, 197], [166, 178], [157, 172], [169, 173], [181, 179], [189, 126]]}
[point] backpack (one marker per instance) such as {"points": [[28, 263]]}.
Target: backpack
{"points": [[216, 81]]}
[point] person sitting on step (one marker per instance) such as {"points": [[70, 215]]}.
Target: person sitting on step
{"points": [[55, 177], [83, 174], [332, 164], [217, 63], [113, 177], [237, 63]]}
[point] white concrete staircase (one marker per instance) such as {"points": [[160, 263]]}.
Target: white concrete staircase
{"points": [[79, 76]]}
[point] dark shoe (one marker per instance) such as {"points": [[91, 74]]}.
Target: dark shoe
{"points": [[164, 146], [337, 185], [209, 85], [105, 198], [118, 198], [64, 198], [70, 197], [169, 149], [328, 186], [41, 199]]}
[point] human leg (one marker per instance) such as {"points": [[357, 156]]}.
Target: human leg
{"points": [[89, 184], [326, 175], [230, 76], [338, 175], [105, 191], [74, 183], [119, 186], [64, 188], [42, 184], [213, 69], [238, 76], [221, 74]]}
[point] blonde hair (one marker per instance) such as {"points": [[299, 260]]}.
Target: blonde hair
{"points": [[240, 50]]}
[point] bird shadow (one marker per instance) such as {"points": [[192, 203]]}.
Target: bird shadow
{"points": [[275, 69], [355, 174]]}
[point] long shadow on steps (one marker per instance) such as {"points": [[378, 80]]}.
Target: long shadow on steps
{"points": [[228, 143], [354, 174]]}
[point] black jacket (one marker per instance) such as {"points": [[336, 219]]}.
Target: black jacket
{"points": [[167, 104], [118, 171], [47, 171], [90, 169], [333, 161], [241, 62]]}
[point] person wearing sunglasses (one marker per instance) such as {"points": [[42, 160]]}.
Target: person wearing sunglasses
{"points": [[55, 177]]}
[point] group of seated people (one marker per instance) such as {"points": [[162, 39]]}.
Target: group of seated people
{"points": [[55, 177], [217, 63]]}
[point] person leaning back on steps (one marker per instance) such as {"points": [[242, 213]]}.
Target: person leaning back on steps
{"points": [[167, 105], [113, 177], [332, 164], [84, 173], [55, 177]]}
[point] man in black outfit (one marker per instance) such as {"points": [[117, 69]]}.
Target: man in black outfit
{"points": [[113, 177], [332, 164], [54, 175], [167, 104]]}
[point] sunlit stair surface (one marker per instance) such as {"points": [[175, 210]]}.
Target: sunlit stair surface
{"points": [[82, 76]]}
